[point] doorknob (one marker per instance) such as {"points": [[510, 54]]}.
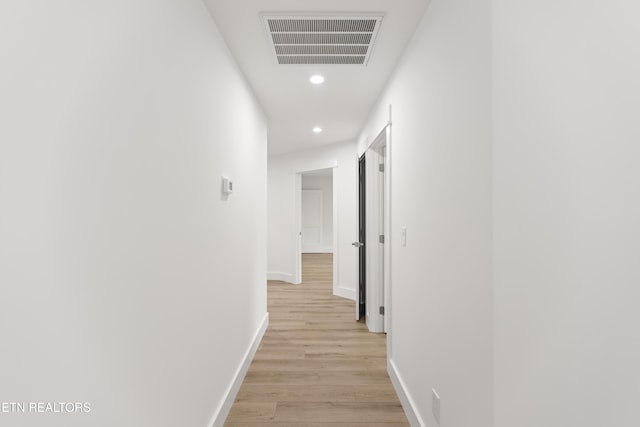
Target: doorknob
{"points": [[357, 244]]}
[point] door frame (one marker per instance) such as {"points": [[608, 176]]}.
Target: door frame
{"points": [[384, 138], [297, 232], [361, 241]]}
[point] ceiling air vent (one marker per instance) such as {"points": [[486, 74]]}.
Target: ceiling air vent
{"points": [[342, 40]]}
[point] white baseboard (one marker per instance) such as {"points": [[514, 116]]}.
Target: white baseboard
{"points": [[345, 293], [283, 277], [222, 411], [405, 398], [318, 251]]}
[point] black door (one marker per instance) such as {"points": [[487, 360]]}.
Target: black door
{"points": [[362, 236]]}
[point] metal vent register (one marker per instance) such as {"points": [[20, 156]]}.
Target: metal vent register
{"points": [[342, 40]]}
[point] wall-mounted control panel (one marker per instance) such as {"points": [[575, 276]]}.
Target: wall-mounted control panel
{"points": [[227, 185]]}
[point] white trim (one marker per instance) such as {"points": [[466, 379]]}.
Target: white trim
{"points": [[407, 402], [222, 411], [283, 277], [357, 236], [385, 133], [374, 228], [345, 293], [377, 138], [297, 235], [389, 236], [336, 223]]}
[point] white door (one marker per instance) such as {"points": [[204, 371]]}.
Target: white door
{"points": [[312, 221], [376, 240], [375, 243]]}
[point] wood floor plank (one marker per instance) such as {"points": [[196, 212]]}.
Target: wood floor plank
{"points": [[301, 393], [305, 365], [339, 412], [322, 424], [253, 411], [316, 366]]}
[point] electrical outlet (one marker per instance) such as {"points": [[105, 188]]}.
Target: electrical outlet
{"points": [[435, 405]]}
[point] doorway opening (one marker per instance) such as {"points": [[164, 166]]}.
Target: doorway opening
{"points": [[361, 300], [374, 240], [317, 240]]}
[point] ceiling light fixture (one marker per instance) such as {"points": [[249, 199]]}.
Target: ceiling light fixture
{"points": [[317, 79], [317, 129]]}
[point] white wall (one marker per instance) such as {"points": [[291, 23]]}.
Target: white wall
{"points": [[324, 183], [441, 302], [567, 209], [119, 262], [282, 233]]}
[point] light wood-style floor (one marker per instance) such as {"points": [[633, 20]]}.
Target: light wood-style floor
{"points": [[316, 366]]}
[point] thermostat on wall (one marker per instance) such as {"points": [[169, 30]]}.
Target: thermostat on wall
{"points": [[227, 185]]}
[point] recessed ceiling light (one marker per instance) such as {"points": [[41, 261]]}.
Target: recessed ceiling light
{"points": [[317, 79], [317, 129]]}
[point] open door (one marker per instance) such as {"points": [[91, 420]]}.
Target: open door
{"points": [[373, 216], [361, 309]]}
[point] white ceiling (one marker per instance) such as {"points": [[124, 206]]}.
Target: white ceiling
{"points": [[292, 104]]}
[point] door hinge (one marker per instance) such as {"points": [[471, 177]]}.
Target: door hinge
{"points": [[381, 167], [382, 310], [381, 238]]}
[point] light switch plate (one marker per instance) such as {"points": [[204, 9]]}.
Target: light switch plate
{"points": [[404, 236], [227, 185]]}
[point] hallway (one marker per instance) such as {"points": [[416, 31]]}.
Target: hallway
{"points": [[316, 366], [153, 158]]}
